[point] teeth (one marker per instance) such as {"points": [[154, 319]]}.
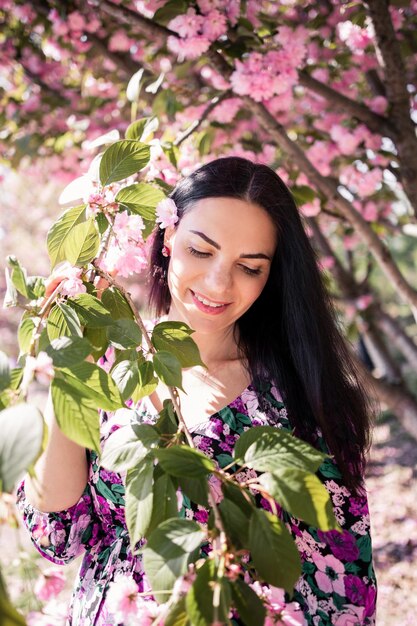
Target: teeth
{"points": [[207, 302]]}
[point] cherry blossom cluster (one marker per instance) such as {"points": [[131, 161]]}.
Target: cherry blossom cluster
{"points": [[263, 76]]}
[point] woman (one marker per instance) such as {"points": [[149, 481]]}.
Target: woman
{"points": [[238, 268]]}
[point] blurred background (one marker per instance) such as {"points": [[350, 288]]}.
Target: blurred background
{"points": [[325, 94]]}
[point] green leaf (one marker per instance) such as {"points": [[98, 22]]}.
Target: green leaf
{"points": [[169, 10], [174, 337], [147, 381], [235, 522], [170, 548], [90, 310], [247, 603], [76, 415], [11, 296], [124, 334], [98, 341], [141, 198], [303, 194], [81, 243], [18, 276], [184, 461], [63, 321], [177, 615], [234, 493], [60, 231], [115, 302], [164, 499], [167, 422], [5, 377], [122, 159], [266, 448], [139, 499], [22, 429], [168, 368], [125, 375], [200, 599], [274, 553], [302, 495], [195, 488], [91, 381], [36, 287], [128, 446], [25, 334], [142, 129], [67, 351]]}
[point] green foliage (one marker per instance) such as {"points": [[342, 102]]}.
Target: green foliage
{"points": [[60, 231], [169, 550], [122, 159], [22, 430], [128, 446], [174, 337], [274, 553], [248, 604], [200, 600], [139, 499], [184, 461]]}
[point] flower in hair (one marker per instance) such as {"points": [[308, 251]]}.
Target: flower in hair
{"points": [[166, 213]]}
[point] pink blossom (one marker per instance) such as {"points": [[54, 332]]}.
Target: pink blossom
{"points": [[124, 261], [123, 598], [188, 48], [128, 228], [378, 104], [120, 42], [327, 262], [41, 366], [187, 25], [76, 21], [214, 25], [50, 583], [311, 209], [330, 574], [356, 38], [166, 213], [263, 75], [364, 301], [226, 110]]}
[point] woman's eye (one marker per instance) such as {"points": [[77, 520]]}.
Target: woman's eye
{"points": [[250, 271], [197, 252]]}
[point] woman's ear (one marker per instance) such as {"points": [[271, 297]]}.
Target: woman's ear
{"points": [[168, 236]]}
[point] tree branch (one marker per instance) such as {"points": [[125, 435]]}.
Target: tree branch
{"points": [[329, 189], [197, 123], [376, 123], [397, 94]]}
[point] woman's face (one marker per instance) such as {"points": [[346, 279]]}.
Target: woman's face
{"points": [[221, 254]]}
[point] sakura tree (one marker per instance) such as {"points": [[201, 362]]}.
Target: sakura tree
{"points": [[323, 92]]}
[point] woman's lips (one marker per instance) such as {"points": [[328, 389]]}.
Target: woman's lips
{"points": [[206, 308]]}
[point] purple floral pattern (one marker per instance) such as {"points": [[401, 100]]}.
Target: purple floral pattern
{"points": [[337, 585]]}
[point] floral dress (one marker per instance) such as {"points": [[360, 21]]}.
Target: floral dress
{"points": [[337, 585]]}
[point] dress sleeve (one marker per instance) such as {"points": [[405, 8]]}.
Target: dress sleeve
{"points": [[64, 535], [338, 584]]}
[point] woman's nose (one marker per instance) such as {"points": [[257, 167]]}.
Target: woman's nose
{"points": [[218, 280]]}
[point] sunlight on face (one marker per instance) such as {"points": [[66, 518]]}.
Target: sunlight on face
{"points": [[221, 254]]}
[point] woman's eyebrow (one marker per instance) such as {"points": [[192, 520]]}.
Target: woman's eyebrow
{"points": [[257, 255]]}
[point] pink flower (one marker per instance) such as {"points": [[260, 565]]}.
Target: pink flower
{"points": [[49, 584], [351, 616], [76, 21], [187, 25], [188, 48], [41, 366], [123, 598], [120, 42], [330, 574], [214, 25], [68, 277], [166, 213], [311, 209]]}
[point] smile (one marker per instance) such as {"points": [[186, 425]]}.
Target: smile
{"points": [[206, 305]]}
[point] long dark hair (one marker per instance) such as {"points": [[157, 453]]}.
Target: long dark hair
{"points": [[289, 333]]}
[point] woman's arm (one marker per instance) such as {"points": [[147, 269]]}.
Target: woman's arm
{"points": [[61, 472]]}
